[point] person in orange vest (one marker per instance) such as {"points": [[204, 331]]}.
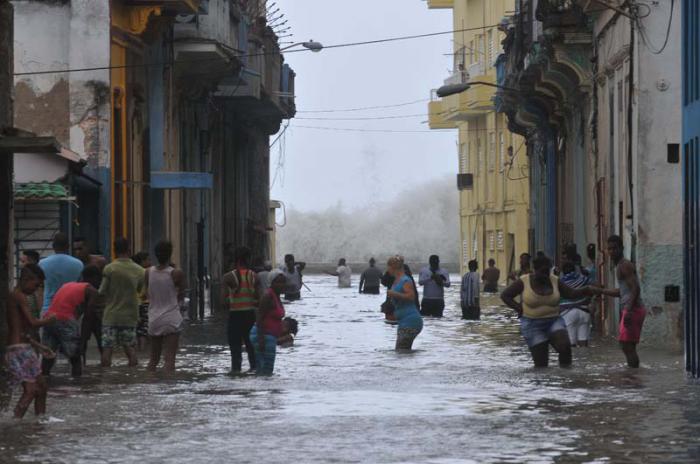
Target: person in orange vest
{"points": [[242, 300]]}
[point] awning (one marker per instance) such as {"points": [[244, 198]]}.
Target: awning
{"points": [[42, 191]]}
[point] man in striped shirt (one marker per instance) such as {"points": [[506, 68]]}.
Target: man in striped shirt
{"points": [[575, 312], [242, 300], [469, 293]]}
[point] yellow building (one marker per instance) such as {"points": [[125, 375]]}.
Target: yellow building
{"points": [[493, 165]]}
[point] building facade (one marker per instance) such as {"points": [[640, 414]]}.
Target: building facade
{"points": [[493, 166], [172, 104], [597, 92]]}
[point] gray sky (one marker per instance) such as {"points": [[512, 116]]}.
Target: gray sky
{"points": [[323, 168]]}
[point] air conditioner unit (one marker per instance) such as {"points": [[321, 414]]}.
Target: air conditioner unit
{"points": [[465, 181]]}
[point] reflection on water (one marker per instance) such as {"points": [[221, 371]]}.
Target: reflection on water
{"points": [[468, 394]]}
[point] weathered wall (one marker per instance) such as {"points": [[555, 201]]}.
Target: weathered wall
{"points": [[90, 113], [657, 222], [38, 167], [658, 183], [74, 107]]}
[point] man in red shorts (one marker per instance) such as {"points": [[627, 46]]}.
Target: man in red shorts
{"points": [[632, 311]]}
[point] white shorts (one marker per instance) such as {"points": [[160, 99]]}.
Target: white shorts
{"points": [[578, 324]]}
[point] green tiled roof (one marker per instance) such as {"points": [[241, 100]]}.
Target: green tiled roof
{"points": [[42, 191]]}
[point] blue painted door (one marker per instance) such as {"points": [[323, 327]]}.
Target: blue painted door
{"points": [[691, 177]]}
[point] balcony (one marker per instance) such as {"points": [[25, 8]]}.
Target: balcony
{"points": [[169, 6], [438, 4], [263, 89], [209, 44], [436, 116]]}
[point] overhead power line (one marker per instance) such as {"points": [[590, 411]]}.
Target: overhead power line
{"points": [[344, 129], [366, 108], [203, 60], [368, 118]]}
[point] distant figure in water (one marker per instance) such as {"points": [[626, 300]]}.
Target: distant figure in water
{"points": [[294, 278], [434, 279], [540, 322], [343, 273], [525, 267], [263, 273], [470, 292], [269, 325], [371, 279], [491, 277], [403, 297]]}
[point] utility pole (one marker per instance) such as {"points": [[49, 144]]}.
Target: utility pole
{"points": [[6, 160]]}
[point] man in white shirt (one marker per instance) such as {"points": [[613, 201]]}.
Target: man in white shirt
{"points": [[343, 273]]}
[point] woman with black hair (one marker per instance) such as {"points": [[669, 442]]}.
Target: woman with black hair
{"points": [[540, 320]]}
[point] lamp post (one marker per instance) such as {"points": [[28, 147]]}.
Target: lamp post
{"points": [[453, 89], [310, 45]]}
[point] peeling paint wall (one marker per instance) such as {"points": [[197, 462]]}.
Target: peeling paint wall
{"points": [[74, 107]]}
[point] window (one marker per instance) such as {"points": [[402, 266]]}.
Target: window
{"points": [[471, 52], [492, 48], [492, 241], [479, 156], [499, 240], [502, 151], [464, 158], [465, 252], [492, 151]]}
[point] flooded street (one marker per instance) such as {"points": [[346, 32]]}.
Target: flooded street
{"points": [[467, 394]]}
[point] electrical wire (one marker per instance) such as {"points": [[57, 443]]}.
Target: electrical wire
{"points": [[643, 30], [366, 108], [400, 131], [369, 118], [248, 55], [389, 131]]}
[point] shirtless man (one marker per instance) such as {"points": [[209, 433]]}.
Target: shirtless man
{"points": [[632, 311], [23, 361]]}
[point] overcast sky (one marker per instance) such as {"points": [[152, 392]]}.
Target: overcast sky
{"points": [[325, 167]]}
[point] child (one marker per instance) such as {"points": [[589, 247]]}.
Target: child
{"points": [[290, 327], [22, 360], [469, 293], [66, 308]]}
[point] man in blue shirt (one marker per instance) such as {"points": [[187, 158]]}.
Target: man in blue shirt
{"points": [[59, 269], [434, 280]]}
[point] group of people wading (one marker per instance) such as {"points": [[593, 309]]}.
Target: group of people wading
{"points": [[62, 300]]}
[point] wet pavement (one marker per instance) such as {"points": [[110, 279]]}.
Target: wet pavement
{"points": [[467, 394]]}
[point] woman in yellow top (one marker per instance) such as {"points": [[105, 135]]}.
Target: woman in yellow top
{"points": [[540, 322]]}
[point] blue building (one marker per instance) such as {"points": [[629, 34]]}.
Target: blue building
{"points": [[691, 167]]}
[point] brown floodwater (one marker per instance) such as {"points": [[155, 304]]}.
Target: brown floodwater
{"points": [[341, 394]]}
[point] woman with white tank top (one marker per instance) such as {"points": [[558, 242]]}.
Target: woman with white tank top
{"points": [[165, 286]]}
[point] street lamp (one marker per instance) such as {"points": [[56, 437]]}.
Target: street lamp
{"points": [[310, 45], [453, 89]]}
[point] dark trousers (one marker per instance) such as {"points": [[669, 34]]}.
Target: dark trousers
{"points": [[239, 325], [471, 313], [91, 325], [371, 290], [432, 307]]}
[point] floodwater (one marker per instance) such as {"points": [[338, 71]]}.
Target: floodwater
{"points": [[467, 394]]}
